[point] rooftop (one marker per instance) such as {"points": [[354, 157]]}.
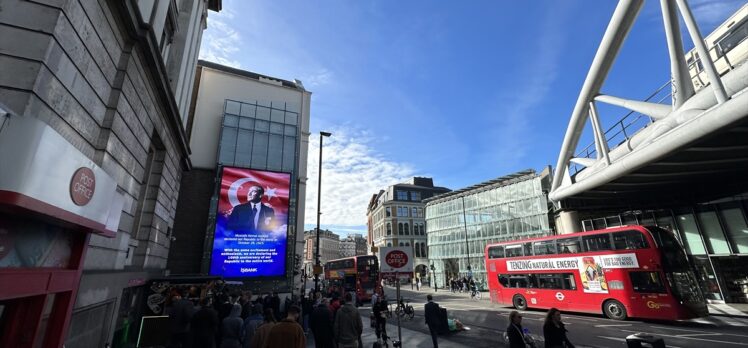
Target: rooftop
{"points": [[500, 181], [296, 84]]}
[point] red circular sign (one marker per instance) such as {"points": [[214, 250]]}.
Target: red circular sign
{"points": [[396, 259], [82, 186]]}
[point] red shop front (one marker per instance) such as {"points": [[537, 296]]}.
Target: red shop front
{"points": [[52, 198]]}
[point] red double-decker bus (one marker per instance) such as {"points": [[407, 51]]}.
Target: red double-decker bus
{"points": [[630, 271], [357, 273]]}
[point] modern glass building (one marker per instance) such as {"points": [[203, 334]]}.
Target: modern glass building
{"points": [[715, 236], [460, 224]]}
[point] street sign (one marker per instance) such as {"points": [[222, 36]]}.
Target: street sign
{"points": [[396, 260]]}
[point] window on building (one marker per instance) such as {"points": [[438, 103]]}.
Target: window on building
{"points": [[414, 212], [424, 251], [415, 196], [400, 228], [407, 244], [401, 195], [734, 37], [389, 244], [388, 211], [407, 229], [417, 250], [597, 242], [389, 229], [629, 240]]}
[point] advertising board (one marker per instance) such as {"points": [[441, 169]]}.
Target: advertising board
{"points": [[251, 224]]}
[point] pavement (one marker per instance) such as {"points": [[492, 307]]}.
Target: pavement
{"points": [[727, 327]]}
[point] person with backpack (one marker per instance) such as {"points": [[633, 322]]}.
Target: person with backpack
{"points": [[554, 331]]}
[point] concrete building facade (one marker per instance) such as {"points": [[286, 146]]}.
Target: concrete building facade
{"points": [[353, 245], [395, 217], [329, 248], [461, 223], [241, 119], [104, 86]]}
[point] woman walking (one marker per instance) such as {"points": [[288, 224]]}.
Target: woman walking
{"points": [[554, 331]]}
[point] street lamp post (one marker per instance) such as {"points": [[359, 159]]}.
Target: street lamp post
{"points": [[319, 200], [433, 277], [467, 244]]}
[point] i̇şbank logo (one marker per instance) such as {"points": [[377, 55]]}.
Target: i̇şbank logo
{"points": [[396, 258]]}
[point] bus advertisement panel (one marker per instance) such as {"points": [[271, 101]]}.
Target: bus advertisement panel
{"points": [[251, 224], [621, 272]]}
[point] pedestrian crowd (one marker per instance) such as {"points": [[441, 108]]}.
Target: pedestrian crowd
{"points": [[234, 320]]}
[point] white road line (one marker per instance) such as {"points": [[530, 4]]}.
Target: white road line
{"points": [[611, 325], [701, 334], [691, 338], [691, 330], [613, 338]]}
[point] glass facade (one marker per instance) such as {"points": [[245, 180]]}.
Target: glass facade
{"points": [[460, 225], [263, 135], [715, 237]]}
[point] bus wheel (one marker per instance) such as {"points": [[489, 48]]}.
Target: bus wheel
{"points": [[519, 302], [614, 310]]}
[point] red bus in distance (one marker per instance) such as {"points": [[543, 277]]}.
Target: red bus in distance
{"points": [[357, 273], [630, 271]]}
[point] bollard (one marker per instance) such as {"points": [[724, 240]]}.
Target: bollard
{"points": [[636, 340]]}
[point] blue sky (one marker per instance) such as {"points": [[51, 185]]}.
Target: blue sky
{"points": [[459, 91]]}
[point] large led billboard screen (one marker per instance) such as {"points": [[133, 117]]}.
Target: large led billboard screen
{"points": [[251, 224]]}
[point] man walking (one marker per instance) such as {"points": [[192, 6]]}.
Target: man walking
{"points": [[432, 318], [321, 325], [287, 333], [348, 325]]}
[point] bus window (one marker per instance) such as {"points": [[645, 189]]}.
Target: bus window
{"points": [[569, 246], [518, 281], [647, 282], [597, 242], [513, 250], [629, 240], [496, 252], [504, 280], [557, 281], [545, 247], [527, 247]]}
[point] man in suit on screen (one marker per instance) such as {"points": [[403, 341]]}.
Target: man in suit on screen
{"points": [[253, 216]]}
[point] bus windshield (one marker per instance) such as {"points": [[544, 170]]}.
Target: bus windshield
{"points": [[676, 267], [368, 271]]}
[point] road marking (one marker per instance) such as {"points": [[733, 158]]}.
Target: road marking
{"points": [[687, 330], [611, 325], [624, 340], [691, 338], [701, 334]]}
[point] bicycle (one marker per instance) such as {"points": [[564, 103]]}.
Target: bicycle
{"points": [[475, 294], [404, 309]]}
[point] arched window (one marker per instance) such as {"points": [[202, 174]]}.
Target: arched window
{"points": [[423, 250], [418, 250], [389, 229], [389, 244], [400, 228], [407, 229], [407, 243]]}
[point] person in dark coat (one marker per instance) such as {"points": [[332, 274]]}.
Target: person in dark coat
{"points": [[246, 302], [554, 331], [204, 325], [253, 216], [276, 302], [321, 324], [515, 332], [180, 314], [431, 312], [231, 328], [251, 323]]}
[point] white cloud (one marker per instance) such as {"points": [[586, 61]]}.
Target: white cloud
{"points": [[351, 173], [711, 13], [221, 42], [319, 78]]}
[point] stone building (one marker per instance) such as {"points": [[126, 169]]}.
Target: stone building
{"points": [[395, 217], [93, 99], [329, 247], [353, 245]]}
